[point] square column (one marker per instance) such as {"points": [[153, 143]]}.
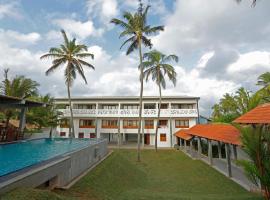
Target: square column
{"points": [[234, 152], [210, 154], [219, 150], [228, 157], [185, 145], [199, 147]]}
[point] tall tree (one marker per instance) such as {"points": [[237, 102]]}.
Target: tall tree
{"points": [[17, 87], [71, 55], [136, 28], [157, 65]]}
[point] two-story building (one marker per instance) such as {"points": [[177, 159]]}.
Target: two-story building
{"points": [[109, 117]]}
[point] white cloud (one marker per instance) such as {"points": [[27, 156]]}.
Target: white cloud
{"points": [[10, 10], [80, 29], [17, 38]]}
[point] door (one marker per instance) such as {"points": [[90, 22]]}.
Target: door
{"points": [[147, 139]]}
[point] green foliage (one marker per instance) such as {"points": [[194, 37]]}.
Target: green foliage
{"points": [[232, 106], [256, 142]]}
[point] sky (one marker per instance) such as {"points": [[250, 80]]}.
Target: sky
{"points": [[221, 45]]}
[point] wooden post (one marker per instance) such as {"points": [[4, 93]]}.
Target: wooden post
{"points": [[199, 147], [219, 150], [210, 154], [235, 152], [228, 157]]}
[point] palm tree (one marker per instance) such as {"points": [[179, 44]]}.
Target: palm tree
{"points": [[256, 144], [71, 55], [136, 29], [157, 66], [17, 87]]}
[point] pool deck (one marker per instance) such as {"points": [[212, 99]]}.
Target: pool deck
{"points": [[58, 171]]}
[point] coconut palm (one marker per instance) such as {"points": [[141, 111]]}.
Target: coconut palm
{"points": [[71, 55], [157, 66], [136, 28]]}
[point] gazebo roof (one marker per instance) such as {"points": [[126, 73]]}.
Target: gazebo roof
{"points": [[219, 132], [15, 102], [258, 115]]}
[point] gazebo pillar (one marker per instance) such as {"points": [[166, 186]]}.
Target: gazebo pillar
{"points": [[191, 144], [210, 154], [180, 142], [219, 150], [199, 147], [22, 120], [228, 157], [235, 152], [185, 145]]}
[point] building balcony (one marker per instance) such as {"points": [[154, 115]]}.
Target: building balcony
{"points": [[129, 113]]}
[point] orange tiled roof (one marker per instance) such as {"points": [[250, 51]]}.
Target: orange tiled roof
{"points": [[258, 115], [220, 132], [183, 133]]}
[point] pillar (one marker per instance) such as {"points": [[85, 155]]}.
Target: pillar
{"points": [[191, 144], [185, 145], [180, 142], [171, 136], [22, 120], [210, 154], [228, 158], [118, 132], [199, 147], [235, 152], [219, 150]]}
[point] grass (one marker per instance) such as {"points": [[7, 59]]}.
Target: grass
{"points": [[168, 174]]}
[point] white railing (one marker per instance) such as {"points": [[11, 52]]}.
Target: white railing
{"points": [[130, 112]]}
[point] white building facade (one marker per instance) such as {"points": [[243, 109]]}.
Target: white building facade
{"points": [[116, 118]]}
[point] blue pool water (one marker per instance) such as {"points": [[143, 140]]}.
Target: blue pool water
{"points": [[22, 154]]}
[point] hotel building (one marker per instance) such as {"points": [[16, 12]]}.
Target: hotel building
{"points": [[105, 117]]}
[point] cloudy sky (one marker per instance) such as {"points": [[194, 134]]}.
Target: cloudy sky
{"points": [[221, 45]]}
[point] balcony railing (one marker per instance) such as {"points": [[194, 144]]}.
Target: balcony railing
{"points": [[151, 113]]}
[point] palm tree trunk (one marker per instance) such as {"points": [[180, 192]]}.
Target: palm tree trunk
{"points": [[72, 133], [156, 134], [140, 105]]}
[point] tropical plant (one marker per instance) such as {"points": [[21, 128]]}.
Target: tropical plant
{"points": [[20, 87], [136, 28], [44, 116], [157, 66], [232, 106], [71, 55], [256, 143]]}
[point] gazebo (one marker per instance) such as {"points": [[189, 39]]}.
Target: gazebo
{"points": [[221, 133], [17, 103]]}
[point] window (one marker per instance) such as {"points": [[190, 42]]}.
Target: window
{"points": [[86, 123], [130, 123], [182, 123], [85, 106], [163, 122], [81, 135], [109, 106], [164, 106], [64, 123], [163, 137], [130, 106], [92, 135], [149, 106], [62, 134], [149, 124], [109, 124], [182, 106]]}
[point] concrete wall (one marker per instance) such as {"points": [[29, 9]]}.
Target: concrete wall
{"points": [[60, 171]]}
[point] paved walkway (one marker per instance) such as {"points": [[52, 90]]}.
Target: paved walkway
{"points": [[220, 165]]}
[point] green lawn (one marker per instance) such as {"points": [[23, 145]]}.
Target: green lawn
{"points": [[168, 174]]}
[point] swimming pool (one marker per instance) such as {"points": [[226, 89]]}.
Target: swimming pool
{"points": [[19, 155]]}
